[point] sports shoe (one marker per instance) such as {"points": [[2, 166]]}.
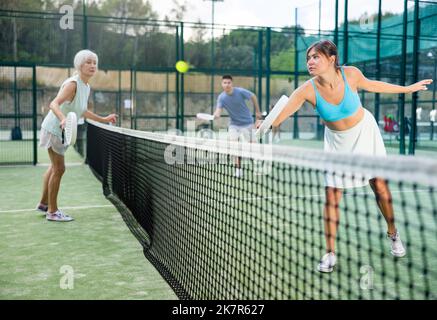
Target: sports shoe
{"points": [[42, 208], [397, 248], [238, 172], [327, 262], [58, 216]]}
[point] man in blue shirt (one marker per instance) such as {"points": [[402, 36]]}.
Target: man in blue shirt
{"points": [[241, 124]]}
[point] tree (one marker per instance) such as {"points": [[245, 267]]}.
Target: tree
{"points": [[179, 10], [366, 17], [126, 9], [283, 60], [197, 49], [17, 28]]}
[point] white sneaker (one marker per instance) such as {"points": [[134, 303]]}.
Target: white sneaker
{"points": [[58, 216], [238, 172], [397, 248], [327, 262], [42, 208]]}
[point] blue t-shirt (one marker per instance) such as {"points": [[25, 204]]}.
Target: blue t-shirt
{"points": [[235, 105]]}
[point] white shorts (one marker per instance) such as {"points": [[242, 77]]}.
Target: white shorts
{"points": [[242, 133], [49, 140], [363, 138]]}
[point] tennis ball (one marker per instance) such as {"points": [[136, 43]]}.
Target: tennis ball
{"points": [[182, 66]]}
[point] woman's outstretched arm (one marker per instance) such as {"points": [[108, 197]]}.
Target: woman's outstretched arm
{"points": [[295, 102], [384, 87]]}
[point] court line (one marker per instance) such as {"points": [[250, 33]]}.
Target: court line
{"points": [[67, 164], [66, 208], [226, 200]]}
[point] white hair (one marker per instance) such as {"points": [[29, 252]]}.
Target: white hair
{"points": [[82, 56]]}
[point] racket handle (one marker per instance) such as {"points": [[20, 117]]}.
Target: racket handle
{"points": [[62, 136]]}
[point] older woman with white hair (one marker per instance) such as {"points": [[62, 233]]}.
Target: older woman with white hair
{"points": [[72, 97]]}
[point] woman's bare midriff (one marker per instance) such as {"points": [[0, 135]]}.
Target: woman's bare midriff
{"points": [[348, 122]]}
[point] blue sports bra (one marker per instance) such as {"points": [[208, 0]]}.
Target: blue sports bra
{"points": [[332, 112]]}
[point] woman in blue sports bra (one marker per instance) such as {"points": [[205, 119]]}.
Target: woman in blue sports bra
{"points": [[349, 128]]}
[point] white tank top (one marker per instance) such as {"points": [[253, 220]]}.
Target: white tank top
{"points": [[79, 105]]}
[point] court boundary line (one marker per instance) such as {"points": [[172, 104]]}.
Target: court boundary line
{"points": [[42, 165], [66, 208], [228, 200]]}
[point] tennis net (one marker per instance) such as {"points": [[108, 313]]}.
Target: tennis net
{"points": [[215, 235]]}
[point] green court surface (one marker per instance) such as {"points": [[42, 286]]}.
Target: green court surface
{"points": [[105, 259], [12, 152]]}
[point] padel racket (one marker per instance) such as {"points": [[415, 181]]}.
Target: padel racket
{"points": [[205, 116], [271, 117], [69, 133]]}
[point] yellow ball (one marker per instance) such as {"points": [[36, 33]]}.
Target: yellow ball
{"points": [[182, 66]]}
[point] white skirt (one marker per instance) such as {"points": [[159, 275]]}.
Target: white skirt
{"points": [[363, 138], [49, 140]]}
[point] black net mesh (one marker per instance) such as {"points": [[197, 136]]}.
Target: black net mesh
{"points": [[259, 233]]}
